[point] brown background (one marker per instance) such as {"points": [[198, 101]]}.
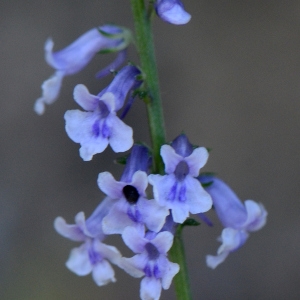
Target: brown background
{"points": [[229, 79]]}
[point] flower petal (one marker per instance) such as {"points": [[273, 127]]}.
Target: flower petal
{"points": [[153, 215], [172, 270], [170, 158], [121, 134], [133, 265], [110, 186], [83, 97], [134, 239], [228, 206], [140, 182], [172, 11], [163, 241], [50, 92], [103, 273], [150, 288], [77, 55], [198, 199], [79, 127], [197, 160], [79, 261], [256, 215], [117, 219], [72, 232], [213, 261]]}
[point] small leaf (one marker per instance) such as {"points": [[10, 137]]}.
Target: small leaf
{"points": [[190, 222], [121, 160], [207, 184]]}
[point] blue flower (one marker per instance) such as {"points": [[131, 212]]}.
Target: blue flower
{"points": [[100, 125], [92, 256], [151, 261], [179, 190], [131, 206], [237, 218], [76, 56], [172, 11]]}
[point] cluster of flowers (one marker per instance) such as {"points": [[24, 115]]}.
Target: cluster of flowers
{"points": [[147, 226]]}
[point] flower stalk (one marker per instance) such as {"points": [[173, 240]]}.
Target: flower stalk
{"points": [[145, 47]]}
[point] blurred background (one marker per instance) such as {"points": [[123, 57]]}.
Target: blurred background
{"points": [[229, 79]]}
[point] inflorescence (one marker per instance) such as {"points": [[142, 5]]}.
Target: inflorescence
{"points": [[147, 226]]}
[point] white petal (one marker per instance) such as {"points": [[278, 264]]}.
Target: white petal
{"points": [[163, 241], [72, 232], [110, 186], [154, 215], [176, 15], [131, 266], [170, 158], [103, 273], [197, 160], [108, 252], [109, 100], [120, 139], [117, 219], [79, 261], [83, 97], [140, 182], [256, 215], [198, 199], [150, 288], [172, 270], [134, 239], [214, 261], [232, 239], [180, 212], [50, 92]]}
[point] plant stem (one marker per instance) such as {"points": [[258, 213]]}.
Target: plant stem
{"points": [[145, 47], [181, 279]]}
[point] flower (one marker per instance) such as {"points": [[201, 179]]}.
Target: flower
{"points": [[100, 125], [172, 11], [151, 261], [131, 207], [236, 217], [92, 256], [179, 190], [76, 56]]}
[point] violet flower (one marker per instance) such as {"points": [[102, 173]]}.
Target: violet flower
{"points": [[131, 207], [92, 256], [100, 125], [172, 11], [151, 261], [76, 56], [237, 218], [179, 190]]}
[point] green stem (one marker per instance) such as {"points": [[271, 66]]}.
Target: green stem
{"points": [[181, 280], [145, 47]]}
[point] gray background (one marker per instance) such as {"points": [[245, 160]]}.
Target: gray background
{"points": [[229, 79]]}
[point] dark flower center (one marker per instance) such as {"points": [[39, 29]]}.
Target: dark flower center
{"points": [[152, 251], [131, 194], [182, 169]]}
